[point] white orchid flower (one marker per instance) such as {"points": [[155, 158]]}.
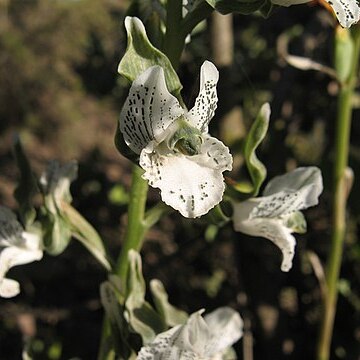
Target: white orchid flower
{"points": [[277, 214], [176, 151], [199, 338], [17, 247], [347, 11]]}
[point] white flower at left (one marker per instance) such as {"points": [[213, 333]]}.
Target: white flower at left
{"points": [[17, 247], [176, 151], [207, 338]]}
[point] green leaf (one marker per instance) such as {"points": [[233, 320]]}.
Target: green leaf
{"points": [[236, 6], [171, 315], [141, 316], [83, 231], [115, 313], [27, 186], [258, 130], [141, 54], [344, 48]]}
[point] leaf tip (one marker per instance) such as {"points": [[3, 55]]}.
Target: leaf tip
{"points": [[265, 111]]}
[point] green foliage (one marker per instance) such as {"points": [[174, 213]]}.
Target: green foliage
{"points": [[141, 54], [27, 186], [237, 6], [86, 234], [115, 314], [142, 318], [169, 313], [60, 220], [256, 168], [344, 48], [130, 313]]}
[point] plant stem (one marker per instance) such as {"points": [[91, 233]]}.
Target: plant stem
{"points": [[342, 133], [200, 13], [174, 38], [135, 230], [177, 29]]}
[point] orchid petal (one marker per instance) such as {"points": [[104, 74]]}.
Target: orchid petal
{"points": [[56, 180], [347, 11], [272, 229], [26, 250], [32, 242], [148, 110], [296, 190], [12, 256], [197, 339], [206, 102], [9, 288], [295, 180], [10, 229], [163, 347], [226, 328], [194, 335], [200, 185]]}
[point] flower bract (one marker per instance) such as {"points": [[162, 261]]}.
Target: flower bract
{"points": [[176, 151], [200, 338], [277, 215]]}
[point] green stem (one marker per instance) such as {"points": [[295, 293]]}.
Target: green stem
{"points": [[135, 230], [200, 13], [342, 133], [177, 29], [174, 39], [133, 239]]}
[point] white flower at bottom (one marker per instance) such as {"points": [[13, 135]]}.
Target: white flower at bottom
{"points": [[200, 338], [176, 152], [18, 247], [276, 215]]}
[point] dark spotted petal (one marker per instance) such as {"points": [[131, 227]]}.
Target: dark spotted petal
{"points": [[347, 11], [148, 110], [190, 184], [206, 102]]}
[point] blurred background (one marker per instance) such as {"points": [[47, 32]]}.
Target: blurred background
{"points": [[60, 91]]}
